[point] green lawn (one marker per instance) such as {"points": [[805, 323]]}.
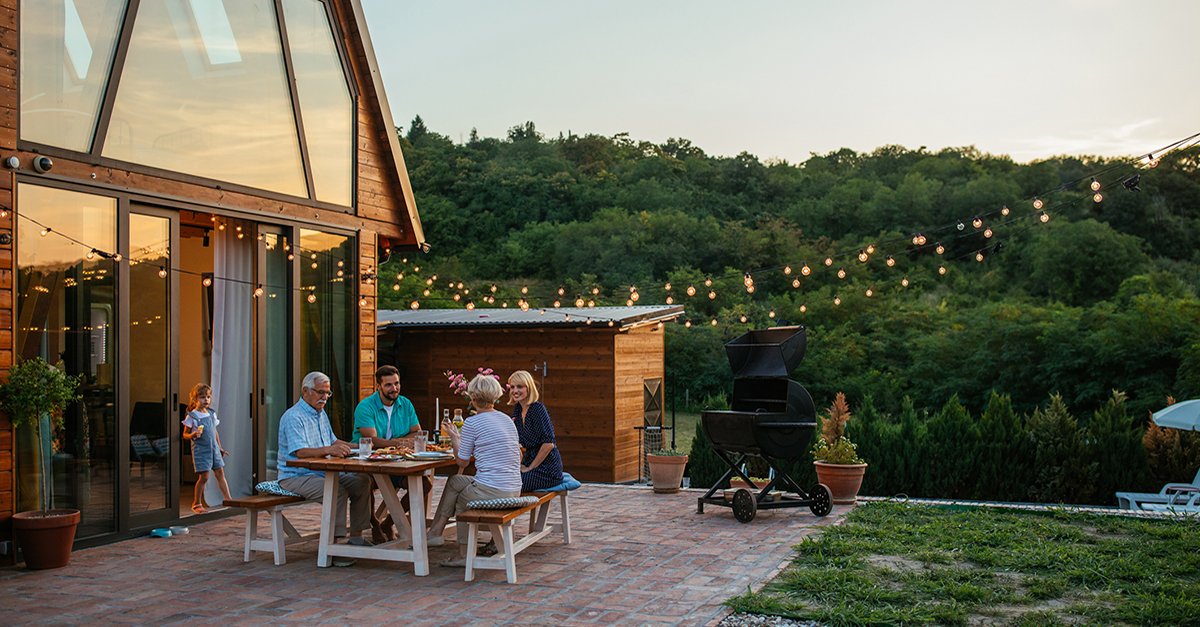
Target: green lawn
{"points": [[897, 564]]}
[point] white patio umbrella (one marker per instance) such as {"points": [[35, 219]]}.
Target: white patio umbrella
{"points": [[1184, 415]]}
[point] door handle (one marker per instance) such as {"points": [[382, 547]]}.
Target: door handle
{"points": [[262, 396]]}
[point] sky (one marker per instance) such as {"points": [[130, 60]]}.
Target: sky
{"points": [[784, 80]]}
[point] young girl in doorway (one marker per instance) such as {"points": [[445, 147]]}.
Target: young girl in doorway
{"points": [[200, 427]]}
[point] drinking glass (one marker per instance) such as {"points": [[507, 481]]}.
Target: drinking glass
{"points": [[419, 441], [364, 447]]}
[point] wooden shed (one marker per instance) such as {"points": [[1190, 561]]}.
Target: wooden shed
{"points": [[599, 369]]}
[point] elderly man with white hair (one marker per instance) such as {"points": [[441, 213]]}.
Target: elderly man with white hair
{"points": [[304, 431]]}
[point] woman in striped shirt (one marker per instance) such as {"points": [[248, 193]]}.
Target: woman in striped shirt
{"points": [[491, 438]]}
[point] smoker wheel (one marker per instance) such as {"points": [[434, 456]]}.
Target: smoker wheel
{"points": [[822, 499], [744, 507]]}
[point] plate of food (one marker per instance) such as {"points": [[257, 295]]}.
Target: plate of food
{"points": [[427, 456], [438, 448], [382, 457]]}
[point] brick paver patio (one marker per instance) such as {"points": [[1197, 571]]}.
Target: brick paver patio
{"points": [[636, 558]]}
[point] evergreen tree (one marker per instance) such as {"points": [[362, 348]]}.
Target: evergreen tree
{"points": [[950, 452], [1004, 458], [1063, 469], [416, 130], [1117, 447]]}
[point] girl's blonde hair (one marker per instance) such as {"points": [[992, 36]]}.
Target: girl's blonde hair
{"points": [[523, 377], [197, 392]]}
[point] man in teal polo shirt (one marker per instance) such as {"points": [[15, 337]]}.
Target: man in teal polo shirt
{"points": [[385, 417]]}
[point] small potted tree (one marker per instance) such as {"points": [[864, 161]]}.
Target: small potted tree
{"points": [[836, 458], [666, 469], [34, 397]]}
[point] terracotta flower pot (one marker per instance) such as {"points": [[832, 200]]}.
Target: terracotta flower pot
{"points": [[46, 536], [843, 480], [666, 472]]}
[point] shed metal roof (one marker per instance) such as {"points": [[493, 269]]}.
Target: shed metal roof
{"points": [[597, 317]]}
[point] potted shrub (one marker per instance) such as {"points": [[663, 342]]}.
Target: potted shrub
{"points": [[666, 469], [34, 397], [836, 458]]}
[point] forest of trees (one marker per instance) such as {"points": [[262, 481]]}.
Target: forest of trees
{"points": [[1100, 298]]}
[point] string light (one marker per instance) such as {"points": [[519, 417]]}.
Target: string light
{"points": [[714, 322], [687, 323], [979, 256], [45, 231], [805, 270], [425, 293], [415, 305], [748, 280], [787, 269], [862, 255], [960, 226], [890, 261], [841, 273], [691, 290], [595, 291], [470, 304], [524, 289], [634, 296], [1095, 185], [591, 303], [750, 289], [1043, 216], [258, 291], [772, 314], [523, 304], [904, 281], [941, 269], [558, 304], [667, 287], [940, 249], [796, 283], [504, 304], [162, 273], [579, 301], [312, 298], [711, 294], [1004, 210], [829, 261], [207, 281], [91, 254], [837, 300], [396, 287], [493, 288], [870, 291], [561, 290], [314, 265], [1037, 203], [987, 232], [707, 281], [977, 222], [803, 307], [589, 322], [457, 297], [429, 281], [919, 240], [743, 319], [362, 302], [629, 303], [610, 323], [1098, 197], [670, 300]]}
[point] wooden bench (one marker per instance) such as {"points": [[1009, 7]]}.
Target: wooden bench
{"points": [[500, 523], [282, 531]]}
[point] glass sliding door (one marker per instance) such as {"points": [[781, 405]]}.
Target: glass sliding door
{"points": [[329, 319], [67, 312], [275, 392], [151, 408]]}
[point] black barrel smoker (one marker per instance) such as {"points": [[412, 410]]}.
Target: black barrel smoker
{"points": [[773, 418]]}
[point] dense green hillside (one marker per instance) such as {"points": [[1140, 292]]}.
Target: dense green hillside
{"points": [[1102, 296]]}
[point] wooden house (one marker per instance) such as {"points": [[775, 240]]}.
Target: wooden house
{"points": [[192, 191], [599, 370]]}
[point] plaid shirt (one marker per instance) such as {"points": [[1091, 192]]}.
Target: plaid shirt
{"points": [[302, 427]]}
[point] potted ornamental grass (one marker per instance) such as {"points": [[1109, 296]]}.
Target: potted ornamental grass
{"points": [[836, 458], [666, 469], [34, 397]]}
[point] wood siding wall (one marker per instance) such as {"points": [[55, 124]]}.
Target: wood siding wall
{"points": [[592, 385], [384, 207]]}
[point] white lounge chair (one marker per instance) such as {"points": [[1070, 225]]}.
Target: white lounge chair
{"points": [[1190, 506], [1171, 494]]}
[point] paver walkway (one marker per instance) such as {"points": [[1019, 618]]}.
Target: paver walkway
{"points": [[636, 558]]}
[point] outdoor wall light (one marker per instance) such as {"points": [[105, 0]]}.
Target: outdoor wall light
{"points": [[42, 164], [12, 163]]}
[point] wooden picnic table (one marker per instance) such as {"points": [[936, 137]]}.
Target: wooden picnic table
{"points": [[381, 471]]}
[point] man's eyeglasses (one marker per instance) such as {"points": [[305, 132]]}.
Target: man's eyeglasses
{"points": [[322, 393]]}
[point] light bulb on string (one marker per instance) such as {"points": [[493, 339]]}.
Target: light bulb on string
{"points": [[460, 286], [711, 294], [805, 270], [629, 303], [670, 301], [772, 314], [457, 297], [748, 280], [557, 304], [634, 296], [595, 291], [524, 289], [434, 277], [579, 301], [314, 256], [750, 289], [312, 298], [341, 272], [837, 300], [870, 291], [941, 250], [803, 307], [258, 291], [117, 257], [796, 283], [314, 265], [524, 304], [890, 262], [1097, 197], [221, 226], [207, 281], [941, 269], [1095, 185], [429, 281], [1004, 210], [960, 226], [714, 322], [591, 303], [1151, 161], [162, 273], [1043, 216], [787, 269], [632, 289], [687, 324], [291, 257], [91, 254], [260, 237], [979, 256], [504, 304], [589, 322], [610, 323], [1037, 203], [707, 281], [451, 285], [362, 302], [691, 290], [841, 273], [414, 305], [904, 281], [561, 290], [425, 293], [45, 231], [470, 304], [862, 255], [493, 288], [829, 261], [977, 222], [919, 239], [743, 319], [667, 287], [987, 232]]}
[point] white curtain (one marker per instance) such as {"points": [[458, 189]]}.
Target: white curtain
{"points": [[233, 360]]}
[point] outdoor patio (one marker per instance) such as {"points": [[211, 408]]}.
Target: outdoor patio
{"points": [[636, 558]]}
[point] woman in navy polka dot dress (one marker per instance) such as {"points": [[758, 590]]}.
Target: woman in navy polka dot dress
{"points": [[541, 467]]}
